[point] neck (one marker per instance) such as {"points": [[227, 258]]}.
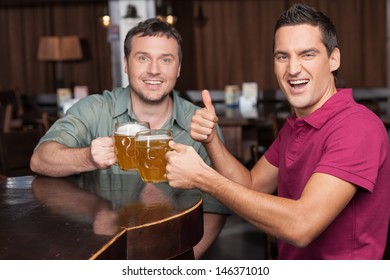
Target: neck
{"points": [[156, 114]]}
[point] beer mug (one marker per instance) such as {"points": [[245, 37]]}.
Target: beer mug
{"points": [[151, 147], [124, 146]]}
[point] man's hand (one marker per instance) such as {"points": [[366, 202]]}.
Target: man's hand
{"points": [[184, 166], [204, 121], [102, 152]]}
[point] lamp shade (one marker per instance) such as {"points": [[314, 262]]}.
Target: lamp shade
{"points": [[55, 48]]}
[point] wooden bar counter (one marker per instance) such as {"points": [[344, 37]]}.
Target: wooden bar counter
{"points": [[97, 216]]}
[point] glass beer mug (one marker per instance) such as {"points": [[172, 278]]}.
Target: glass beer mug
{"points": [[151, 147], [124, 143]]}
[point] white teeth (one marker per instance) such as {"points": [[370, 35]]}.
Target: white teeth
{"points": [[298, 82], [153, 82]]}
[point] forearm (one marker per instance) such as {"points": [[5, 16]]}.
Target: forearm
{"points": [[296, 221], [280, 217], [56, 160], [255, 207]]}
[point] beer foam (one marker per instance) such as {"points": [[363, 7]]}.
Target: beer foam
{"points": [[153, 137], [130, 129]]}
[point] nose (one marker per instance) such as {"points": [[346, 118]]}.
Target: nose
{"points": [[154, 67], [294, 66]]}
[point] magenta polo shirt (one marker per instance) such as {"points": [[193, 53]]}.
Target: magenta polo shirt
{"points": [[346, 140]]}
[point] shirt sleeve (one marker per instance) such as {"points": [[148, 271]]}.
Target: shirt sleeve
{"points": [[355, 151], [76, 129]]}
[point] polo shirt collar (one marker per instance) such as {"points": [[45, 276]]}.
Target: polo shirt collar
{"points": [[332, 106], [123, 101]]}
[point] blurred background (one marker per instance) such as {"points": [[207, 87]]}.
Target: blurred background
{"points": [[225, 41]]}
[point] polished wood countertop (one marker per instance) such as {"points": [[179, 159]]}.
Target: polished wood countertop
{"points": [[97, 216]]}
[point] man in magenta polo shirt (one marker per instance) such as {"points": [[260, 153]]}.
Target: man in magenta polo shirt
{"points": [[330, 163], [345, 140]]}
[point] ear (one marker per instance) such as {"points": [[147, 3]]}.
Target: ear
{"points": [[178, 71], [334, 60], [125, 64]]}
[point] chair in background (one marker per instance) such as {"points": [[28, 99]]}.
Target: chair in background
{"points": [[277, 122], [16, 149], [20, 131], [40, 110], [17, 143], [12, 97], [23, 116], [5, 118]]}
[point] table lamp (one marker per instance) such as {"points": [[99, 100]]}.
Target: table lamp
{"points": [[59, 49]]}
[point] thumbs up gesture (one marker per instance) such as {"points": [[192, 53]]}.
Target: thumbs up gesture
{"points": [[204, 121]]}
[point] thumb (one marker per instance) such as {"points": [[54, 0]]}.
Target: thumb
{"points": [[207, 101], [177, 146]]}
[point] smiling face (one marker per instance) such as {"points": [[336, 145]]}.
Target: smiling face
{"points": [[303, 68], [152, 67]]}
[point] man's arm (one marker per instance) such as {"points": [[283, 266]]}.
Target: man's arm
{"points": [[56, 160], [297, 222]]}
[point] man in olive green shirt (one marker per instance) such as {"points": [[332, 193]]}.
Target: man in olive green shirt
{"points": [[81, 141]]}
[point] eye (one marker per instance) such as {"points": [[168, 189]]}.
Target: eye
{"points": [[166, 60], [280, 57], [309, 55], [142, 58]]}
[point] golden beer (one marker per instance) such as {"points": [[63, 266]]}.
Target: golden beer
{"points": [[151, 147], [124, 143]]}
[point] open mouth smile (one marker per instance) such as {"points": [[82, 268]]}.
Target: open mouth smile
{"points": [[152, 82], [298, 83]]}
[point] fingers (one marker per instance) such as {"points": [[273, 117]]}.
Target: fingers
{"points": [[204, 121], [207, 101], [177, 146], [102, 152], [106, 141], [200, 129]]}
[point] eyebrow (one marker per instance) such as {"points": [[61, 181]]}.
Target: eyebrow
{"points": [[300, 53], [162, 55], [279, 53], [168, 54], [315, 50]]}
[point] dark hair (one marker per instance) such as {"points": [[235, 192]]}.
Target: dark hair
{"points": [[153, 27], [303, 14]]}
